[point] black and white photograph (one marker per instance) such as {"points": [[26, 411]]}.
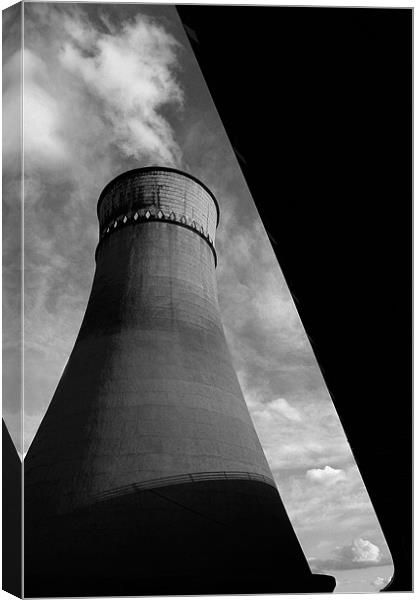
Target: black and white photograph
{"points": [[207, 299]]}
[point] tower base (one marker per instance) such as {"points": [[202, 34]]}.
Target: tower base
{"points": [[206, 537]]}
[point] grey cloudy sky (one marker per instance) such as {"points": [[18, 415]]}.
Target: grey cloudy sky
{"points": [[113, 87]]}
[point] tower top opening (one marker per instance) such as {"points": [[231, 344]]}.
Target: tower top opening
{"points": [[161, 194], [133, 173]]}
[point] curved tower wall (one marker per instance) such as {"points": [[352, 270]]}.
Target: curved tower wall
{"points": [[176, 195], [146, 475], [149, 391]]}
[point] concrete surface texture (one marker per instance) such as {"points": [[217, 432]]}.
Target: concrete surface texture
{"points": [[149, 391]]}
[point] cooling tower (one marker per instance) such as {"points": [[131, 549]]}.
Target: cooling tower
{"points": [[146, 475]]}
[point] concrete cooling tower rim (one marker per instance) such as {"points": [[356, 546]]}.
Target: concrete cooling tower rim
{"points": [[138, 171]]}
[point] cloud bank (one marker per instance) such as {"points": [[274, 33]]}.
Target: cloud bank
{"points": [[360, 554]]}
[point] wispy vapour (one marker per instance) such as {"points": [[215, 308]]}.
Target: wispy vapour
{"points": [[131, 72], [91, 90]]}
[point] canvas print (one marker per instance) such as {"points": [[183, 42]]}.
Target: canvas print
{"points": [[176, 431]]}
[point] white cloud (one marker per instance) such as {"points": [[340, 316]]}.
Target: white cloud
{"points": [[132, 75], [326, 476], [361, 553], [249, 271], [278, 408], [43, 142], [12, 72], [365, 551], [92, 97], [300, 433], [381, 582], [325, 511]]}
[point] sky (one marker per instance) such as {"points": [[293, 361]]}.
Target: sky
{"points": [[108, 88]]}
